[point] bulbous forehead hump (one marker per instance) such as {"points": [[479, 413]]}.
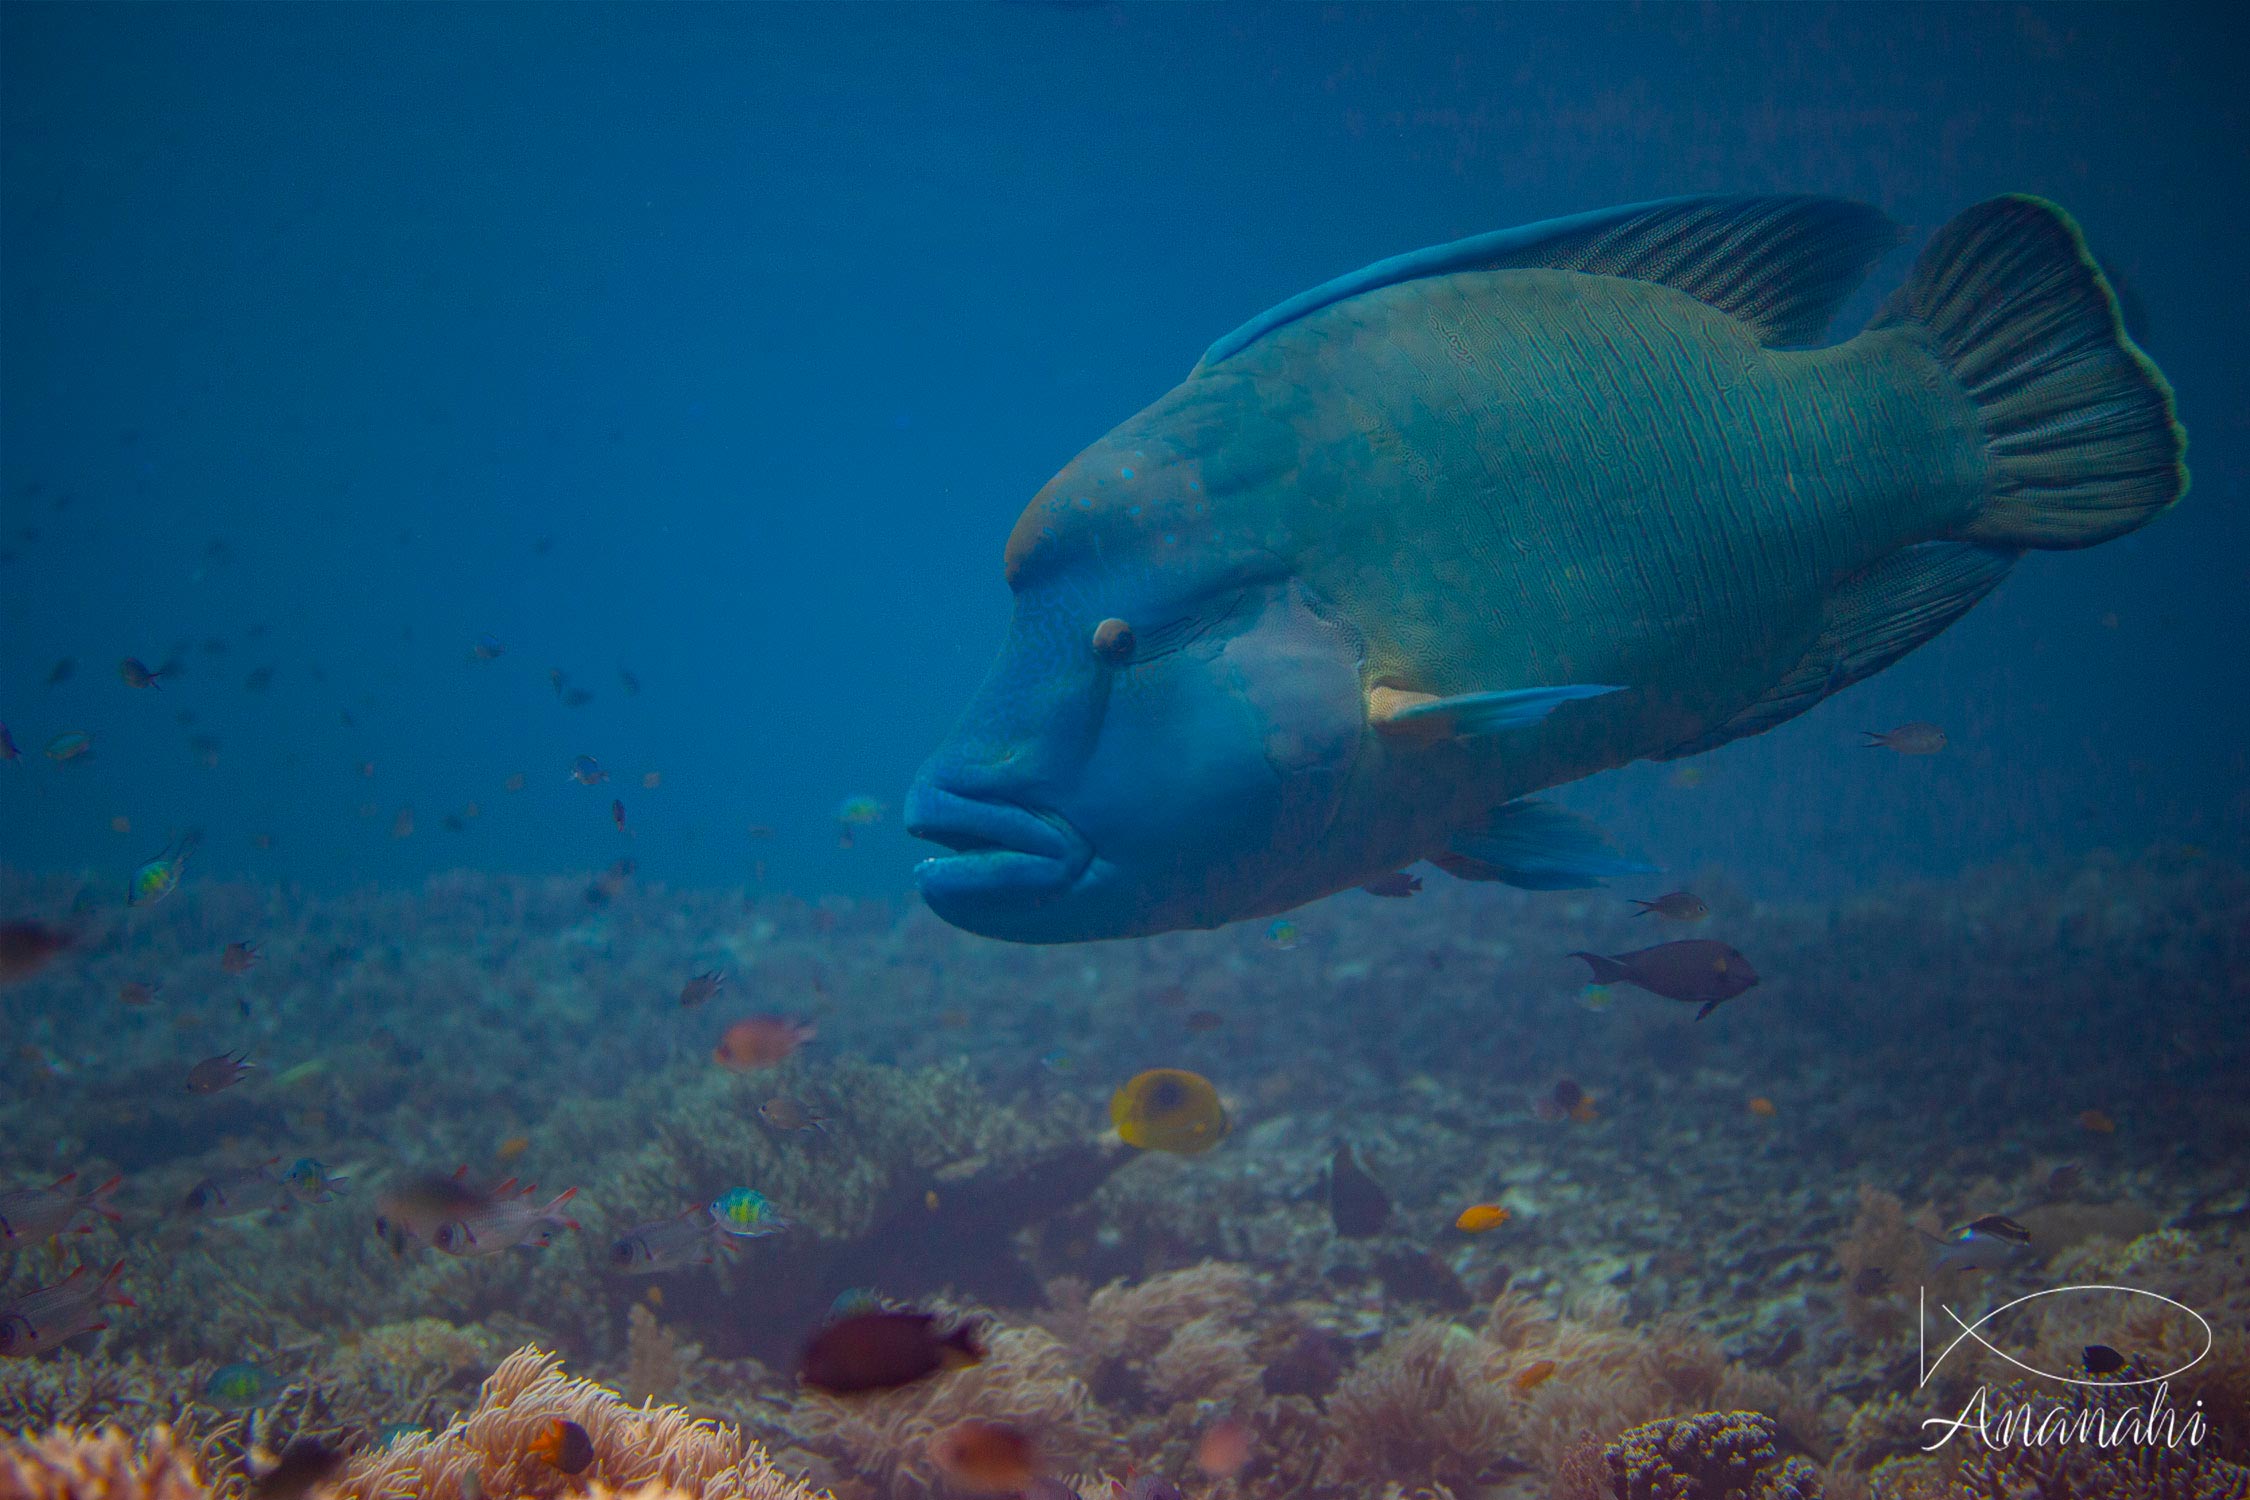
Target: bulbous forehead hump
{"points": [[1113, 491]]}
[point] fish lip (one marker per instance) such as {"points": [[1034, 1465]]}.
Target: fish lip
{"points": [[999, 847]]}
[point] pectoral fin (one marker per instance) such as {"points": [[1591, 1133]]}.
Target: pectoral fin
{"points": [[1539, 847], [1426, 716]]}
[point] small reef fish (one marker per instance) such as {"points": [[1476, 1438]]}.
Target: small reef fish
{"points": [[784, 1113], [1763, 1107], [2097, 1122], [402, 823], [1908, 739], [1566, 1100], [1375, 696], [1533, 1375], [29, 1215], [881, 1351], [416, 1208], [1224, 1448], [8, 750], [160, 877], [51, 1316], [564, 1445], [60, 672], [137, 675], [516, 782], [1397, 885], [1477, 1218], [26, 947], [587, 771], [73, 744], [607, 886], [756, 1042], [688, 1239], [747, 1214], [1696, 971], [487, 648], [506, 1220], [236, 1191], [241, 1384], [986, 1458], [1678, 906], [861, 811], [305, 1464], [1357, 1205], [700, 988], [1283, 935], [1169, 1109], [2100, 1359], [308, 1181], [1985, 1244], [239, 957], [221, 1072], [617, 813]]}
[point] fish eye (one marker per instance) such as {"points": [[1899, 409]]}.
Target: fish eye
{"points": [[444, 1237], [1113, 642], [13, 1327], [621, 1253]]}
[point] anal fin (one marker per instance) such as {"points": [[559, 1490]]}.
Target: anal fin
{"points": [[1539, 847], [1875, 617]]}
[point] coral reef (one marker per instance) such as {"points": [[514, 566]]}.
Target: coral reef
{"points": [[108, 1464], [1729, 1455]]}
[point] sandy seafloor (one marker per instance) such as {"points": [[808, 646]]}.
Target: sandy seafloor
{"points": [[1931, 1053]]}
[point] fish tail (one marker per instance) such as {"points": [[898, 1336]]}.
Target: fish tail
{"points": [[2080, 430], [106, 1291], [97, 1199], [1606, 970]]}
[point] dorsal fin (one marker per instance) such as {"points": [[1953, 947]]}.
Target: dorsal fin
{"points": [[1782, 264]]}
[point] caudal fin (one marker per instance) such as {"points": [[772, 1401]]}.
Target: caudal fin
{"points": [[1606, 970], [2078, 422]]}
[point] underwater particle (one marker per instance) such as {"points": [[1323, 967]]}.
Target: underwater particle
{"points": [[402, 823], [8, 750], [26, 947], [515, 782], [1060, 1061], [881, 1351], [366, 770], [2100, 1359], [135, 674], [1595, 997], [1985, 1244], [120, 824], [262, 840], [488, 647], [221, 1072], [1282, 935], [617, 813], [761, 830], [756, 1042], [2097, 1122], [687, 1239], [784, 1113], [1398, 885], [138, 992], [240, 1384], [60, 672], [1687, 777], [71, 744], [1675, 906], [51, 1316], [1169, 1109], [1533, 1375], [258, 680], [930, 1200], [955, 1019], [985, 1458], [1908, 739], [1199, 1021], [587, 771], [308, 1180], [563, 1445], [557, 679], [860, 811], [1696, 971], [630, 684], [1478, 1218], [701, 987], [1762, 1107], [1224, 1448], [651, 780], [513, 1147], [1357, 1205], [746, 1214], [238, 958], [29, 1215], [305, 1463]]}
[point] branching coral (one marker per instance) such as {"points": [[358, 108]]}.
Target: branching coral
{"points": [[73, 1464], [488, 1452], [1727, 1455]]}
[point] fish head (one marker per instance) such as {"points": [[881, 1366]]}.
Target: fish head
{"points": [[1167, 733]]}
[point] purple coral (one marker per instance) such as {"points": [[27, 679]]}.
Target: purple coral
{"points": [[1717, 1455]]}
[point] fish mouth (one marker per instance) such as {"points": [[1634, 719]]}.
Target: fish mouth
{"points": [[1000, 852]]}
